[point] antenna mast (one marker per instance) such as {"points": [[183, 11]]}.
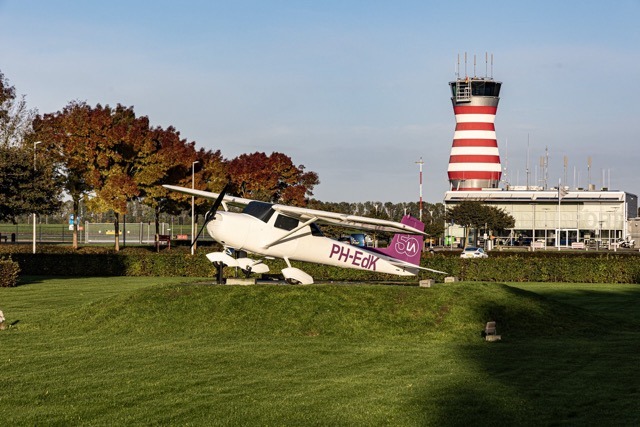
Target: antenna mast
{"points": [[492, 66], [486, 64]]}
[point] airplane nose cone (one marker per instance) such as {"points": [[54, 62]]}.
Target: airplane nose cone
{"points": [[228, 229]]}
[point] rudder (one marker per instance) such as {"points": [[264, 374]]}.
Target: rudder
{"points": [[407, 247]]}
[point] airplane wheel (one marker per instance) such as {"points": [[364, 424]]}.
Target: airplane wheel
{"points": [[292, 281]]}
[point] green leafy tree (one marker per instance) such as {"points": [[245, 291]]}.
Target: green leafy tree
{"points": [[15, 117], [474, 214], [433, 216], [24, 190]]}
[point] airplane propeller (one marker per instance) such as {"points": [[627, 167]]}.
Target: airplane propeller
{"points": [[211, 213]]}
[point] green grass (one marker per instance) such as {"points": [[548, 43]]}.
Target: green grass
{"points": [[146, 351]]}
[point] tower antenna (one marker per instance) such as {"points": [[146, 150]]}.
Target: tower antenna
{"points": [[474, 65], [492, 66], [465, 66], [486, 65], [546, 167]]}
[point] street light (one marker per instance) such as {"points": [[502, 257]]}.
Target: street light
{"points": [[34, 177], [193, 209]]}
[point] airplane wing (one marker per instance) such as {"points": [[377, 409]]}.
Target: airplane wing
{"points": [[305, 214], [229, 200], [348, 221]]}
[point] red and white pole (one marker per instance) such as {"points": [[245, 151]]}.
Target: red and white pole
{"points": [[420, 163]]}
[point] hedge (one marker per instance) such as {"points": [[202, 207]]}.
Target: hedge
{"points": [[9, 271], [586, 267]]}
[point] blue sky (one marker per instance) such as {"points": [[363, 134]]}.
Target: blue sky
{"points": [[356, 91]]}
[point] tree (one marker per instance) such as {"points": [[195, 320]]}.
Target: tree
{"points": [[211, 175], [15, 117], [70, 137], [434, 218], [122, 142], [166, 160], [474, 214], [24, 190], [271, 178]]}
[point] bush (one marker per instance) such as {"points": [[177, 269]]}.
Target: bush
{"points": [[549, 266], [9, 271]]}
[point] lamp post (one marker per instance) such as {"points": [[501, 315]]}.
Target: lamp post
{"points": [[193, 209], [533, 235], [34, 177]]}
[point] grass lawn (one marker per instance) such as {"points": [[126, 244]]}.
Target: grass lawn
{"points": [[140, 351]]}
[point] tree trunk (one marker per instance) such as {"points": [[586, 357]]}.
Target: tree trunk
{"points": [[156, 212]]}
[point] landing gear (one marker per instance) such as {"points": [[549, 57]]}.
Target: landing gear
{"points": [[296, 276], [220, 280]]}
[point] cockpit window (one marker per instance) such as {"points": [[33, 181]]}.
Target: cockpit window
{"points": [[260, 210], [315, 230], [286, 223]]}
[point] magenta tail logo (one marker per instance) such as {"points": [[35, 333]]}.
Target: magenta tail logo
{"points": [[408, 245]]}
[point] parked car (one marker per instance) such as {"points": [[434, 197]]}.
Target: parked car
{"points": [[473, 252], [625, 243]]}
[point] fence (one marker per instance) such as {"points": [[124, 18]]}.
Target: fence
{"points": [[99, 233], [134, 233]]}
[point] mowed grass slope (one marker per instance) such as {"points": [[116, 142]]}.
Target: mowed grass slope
{"points": [[148, 351]]}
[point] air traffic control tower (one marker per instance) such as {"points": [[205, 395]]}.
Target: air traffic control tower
{"points": [[474, 163]]}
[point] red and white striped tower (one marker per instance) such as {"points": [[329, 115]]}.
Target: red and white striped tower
{"points": [[474, 163]]}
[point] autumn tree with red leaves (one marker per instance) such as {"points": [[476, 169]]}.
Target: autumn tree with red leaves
{"points": [[70, 137], [166, 160], [271, 178], [99, 150], [124, 145]]}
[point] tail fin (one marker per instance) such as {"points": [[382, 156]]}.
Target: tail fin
{"points": [[406, 247]]}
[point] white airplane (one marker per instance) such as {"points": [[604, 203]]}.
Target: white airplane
{"points": [[292, 233]]}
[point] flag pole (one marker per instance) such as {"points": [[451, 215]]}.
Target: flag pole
{"points": [[558, 233]]}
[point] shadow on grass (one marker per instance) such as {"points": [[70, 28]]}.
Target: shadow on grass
{"points": [[581, 370]]}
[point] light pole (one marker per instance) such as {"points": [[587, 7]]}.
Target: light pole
{"points": [[193, 209], [34, 177]]}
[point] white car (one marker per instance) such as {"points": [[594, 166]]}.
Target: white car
{"points": [[473, 252]]}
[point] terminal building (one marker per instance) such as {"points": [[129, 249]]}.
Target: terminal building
{"points": [[557, 217], [595, 218]]}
